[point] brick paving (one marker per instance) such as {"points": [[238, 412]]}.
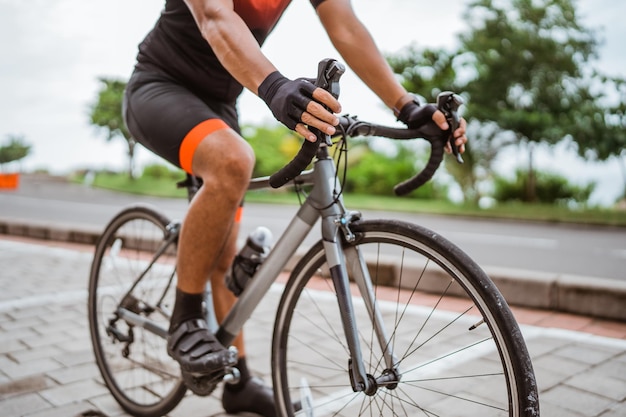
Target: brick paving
{"points": [[47, 367]]}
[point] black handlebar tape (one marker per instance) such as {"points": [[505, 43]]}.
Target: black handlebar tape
{"points": [[436, 156], [328, 73], [297, 165], [432, 134]]}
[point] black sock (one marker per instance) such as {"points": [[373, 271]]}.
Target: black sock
{"points": [[187, 307], [244, 376]]}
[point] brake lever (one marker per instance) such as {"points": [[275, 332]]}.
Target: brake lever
{"points": [[449, 104], [329, 71]]}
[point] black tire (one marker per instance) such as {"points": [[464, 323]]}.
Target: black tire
{"points": [[432, 298], [141, 376]]}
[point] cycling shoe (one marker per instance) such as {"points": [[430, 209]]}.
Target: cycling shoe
{"points": [[197, 350], [253, 397]]}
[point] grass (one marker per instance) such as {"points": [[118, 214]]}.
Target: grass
{"points": [[159, 187], [166, 187]]}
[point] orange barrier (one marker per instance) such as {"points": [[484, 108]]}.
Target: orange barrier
{"points": [[9, 181]]}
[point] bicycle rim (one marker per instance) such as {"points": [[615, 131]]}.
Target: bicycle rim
{"points": [[458, 350], [133, 361]]}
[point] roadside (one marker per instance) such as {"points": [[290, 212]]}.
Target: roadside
{"points": [[550, 213], [586, 295]]}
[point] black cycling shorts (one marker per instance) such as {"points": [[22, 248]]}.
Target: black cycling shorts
{"points": [[169, 119]]}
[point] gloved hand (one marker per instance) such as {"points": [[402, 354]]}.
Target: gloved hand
{"points": [[415, 115], [286, 99]]}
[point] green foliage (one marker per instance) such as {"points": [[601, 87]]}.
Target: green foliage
{"points": [[426, 71], [529, 59], [480, 153], [106, 114], [14, 150], [526, 66], [370, 172], [376, 173], [596, 142], [550, 188], [107, 111], [144, 185], [160, 171], [273, 147]]}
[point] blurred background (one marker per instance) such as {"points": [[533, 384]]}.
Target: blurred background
{"points": [[543, 82]]}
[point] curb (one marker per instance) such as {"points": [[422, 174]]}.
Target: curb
{"points": [[587, 296], [50, 231]]}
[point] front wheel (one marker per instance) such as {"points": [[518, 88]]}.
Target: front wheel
{"points": [[436, 336]]}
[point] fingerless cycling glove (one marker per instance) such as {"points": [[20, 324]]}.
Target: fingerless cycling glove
{"points": [[286, 99], [415, 115]]}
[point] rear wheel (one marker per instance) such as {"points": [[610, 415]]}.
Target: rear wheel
{"points": [[457, 350], [133, 274]]}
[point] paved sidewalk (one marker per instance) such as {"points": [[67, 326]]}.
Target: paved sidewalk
{"points": [[47, 367]]}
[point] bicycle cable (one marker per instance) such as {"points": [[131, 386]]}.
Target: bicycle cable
{"points": [[340, 154]]}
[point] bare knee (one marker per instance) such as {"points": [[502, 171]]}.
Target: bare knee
{"points": [[224, 160], [238, 164]]}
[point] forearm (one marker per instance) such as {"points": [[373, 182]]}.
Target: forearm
{"points": [[371, 67], [355, 44], [232, 42]]}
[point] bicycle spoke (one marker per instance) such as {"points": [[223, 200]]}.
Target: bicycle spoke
{"points": [[133, 273], [447, 362]]}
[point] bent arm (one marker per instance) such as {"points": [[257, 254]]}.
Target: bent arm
{"points": [[231, 40], [240, 54], [355, 44]]}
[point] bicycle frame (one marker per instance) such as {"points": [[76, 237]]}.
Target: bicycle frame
{"points": [[322, 203]]}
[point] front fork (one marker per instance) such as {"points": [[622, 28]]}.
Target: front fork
{"points": [[342, 255]]}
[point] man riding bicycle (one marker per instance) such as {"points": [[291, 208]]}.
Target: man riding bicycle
{"points": [[180, 103]]}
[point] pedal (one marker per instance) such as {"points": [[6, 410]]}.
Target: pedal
{"points": [[204, 385]]}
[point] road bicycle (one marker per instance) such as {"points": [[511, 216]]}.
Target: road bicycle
{"points": [[379, 317]]}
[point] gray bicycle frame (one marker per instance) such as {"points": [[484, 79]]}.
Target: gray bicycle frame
{"points": [[322, 203]]}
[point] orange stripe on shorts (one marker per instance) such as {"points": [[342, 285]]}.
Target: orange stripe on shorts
{"points": [[194, 137], [239, 214]]}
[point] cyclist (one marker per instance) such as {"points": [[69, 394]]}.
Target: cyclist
{"points": [[180, 103]]}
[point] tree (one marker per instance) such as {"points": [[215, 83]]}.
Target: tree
{"points": [[487, 139], [15, 150], [551, 188], [531, 72], [602, 131], [430, 71], [525, 65], [106, 114], [427, 71]]}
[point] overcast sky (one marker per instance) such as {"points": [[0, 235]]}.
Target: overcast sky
{"points": [[53, 51]]}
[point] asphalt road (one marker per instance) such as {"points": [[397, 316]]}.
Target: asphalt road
{"points": [[573, 250]]}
